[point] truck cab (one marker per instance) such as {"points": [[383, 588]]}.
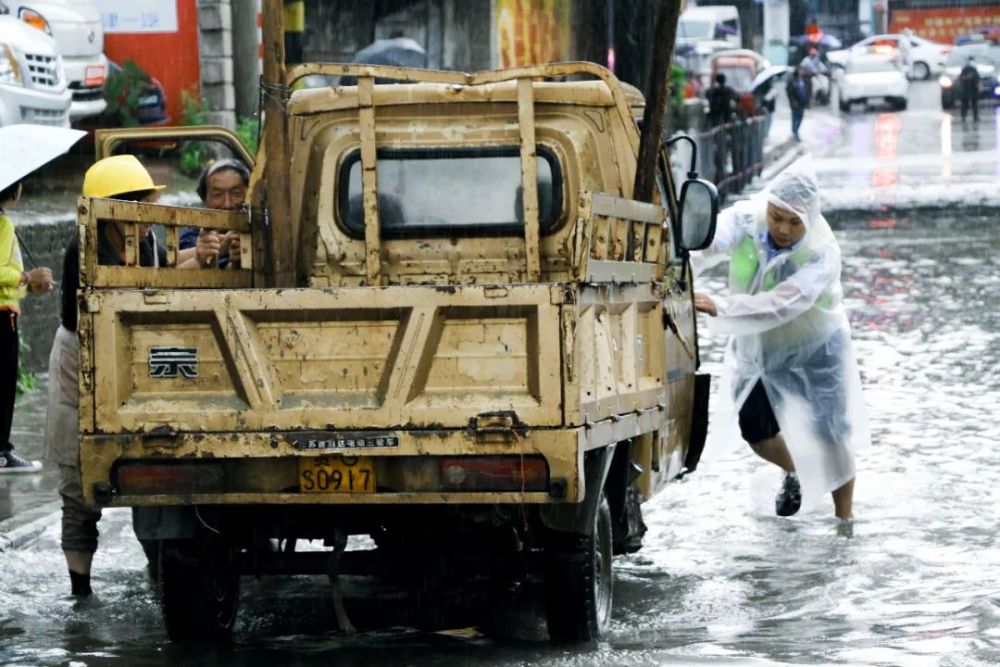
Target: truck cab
{"points": [[459, 336]]}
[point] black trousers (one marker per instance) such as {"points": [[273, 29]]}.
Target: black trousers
{"points": [[970, 101], [8, 375]]}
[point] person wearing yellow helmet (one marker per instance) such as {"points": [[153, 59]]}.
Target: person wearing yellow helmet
{"points": [[124, 178]]}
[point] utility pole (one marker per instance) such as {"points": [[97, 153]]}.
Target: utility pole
{"points": [[281, 232], [656, 99], [246, 64]]}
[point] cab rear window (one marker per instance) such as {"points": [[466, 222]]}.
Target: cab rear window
{"points": [[449, 192]]}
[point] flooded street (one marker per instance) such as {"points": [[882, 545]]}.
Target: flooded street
{"points": [[720, 579]]}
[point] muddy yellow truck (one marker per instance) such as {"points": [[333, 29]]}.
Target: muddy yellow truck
{"points": [[451, 330]]}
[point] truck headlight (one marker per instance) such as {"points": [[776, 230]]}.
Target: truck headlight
{"points": [[34, 19], [10, 71], [945, 81]]}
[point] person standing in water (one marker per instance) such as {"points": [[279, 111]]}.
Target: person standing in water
{"points": [[790, 368]]}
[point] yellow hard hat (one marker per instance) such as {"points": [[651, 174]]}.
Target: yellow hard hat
{"points": [[117, 175]]}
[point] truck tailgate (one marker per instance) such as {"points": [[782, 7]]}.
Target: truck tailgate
{"points": [[244, 360]]}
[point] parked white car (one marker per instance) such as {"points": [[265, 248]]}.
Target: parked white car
{"points": [[76, 27], [920, 58], [871, 79], [716, 22], [33, 86]]}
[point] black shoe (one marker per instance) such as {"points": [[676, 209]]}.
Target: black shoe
{"points": [[789, 499], [12, 463]]}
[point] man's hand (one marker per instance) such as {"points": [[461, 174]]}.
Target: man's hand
{"points": [[40, 280], [207, 248], [231, 247], [704, 304]]}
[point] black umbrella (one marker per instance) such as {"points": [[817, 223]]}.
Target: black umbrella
{"points": [[394, 52], [398, 52]]}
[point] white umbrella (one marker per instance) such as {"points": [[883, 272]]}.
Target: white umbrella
{"points": [[769, 73], [24, 148]]}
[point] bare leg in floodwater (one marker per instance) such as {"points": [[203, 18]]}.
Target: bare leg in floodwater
{"points": [[774, 450], [843, 501]]}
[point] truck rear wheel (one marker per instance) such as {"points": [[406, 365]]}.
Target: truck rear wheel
{"points": [[199, 592], [578, 582]]}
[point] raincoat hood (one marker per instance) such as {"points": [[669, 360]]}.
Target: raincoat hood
{"points": [[796, 190]]}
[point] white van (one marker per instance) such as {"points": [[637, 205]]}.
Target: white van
{"points": [[76, 27], [32, 81], [700, 24]]}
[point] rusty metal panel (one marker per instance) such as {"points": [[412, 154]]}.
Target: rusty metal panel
{"points": [[308, 358], [620, 366], [366, 123], [621, 231], [132, 218], [263, 464], [529, 175], [105, 141]]}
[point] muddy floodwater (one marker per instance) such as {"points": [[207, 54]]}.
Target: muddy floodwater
{"points": [[720, 580]]}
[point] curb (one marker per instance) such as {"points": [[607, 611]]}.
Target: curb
{"points": [[781, 156], [19, 531]]}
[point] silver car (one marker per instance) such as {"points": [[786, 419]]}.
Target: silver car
{"points": [[76, 27], [33, 85]]}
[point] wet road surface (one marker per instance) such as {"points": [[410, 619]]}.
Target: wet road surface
{"points": [[720, 580]]}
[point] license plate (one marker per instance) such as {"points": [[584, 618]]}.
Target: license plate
{"points": [[337, 474]]}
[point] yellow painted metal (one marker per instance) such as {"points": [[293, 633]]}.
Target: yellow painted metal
{"points": [[441, 340], [529, 175], [369, 180], [106, 141], [133, 218], [269, 463]]}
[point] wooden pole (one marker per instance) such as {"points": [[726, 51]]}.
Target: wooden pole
{"points": [[665, 34], [282, 233]]}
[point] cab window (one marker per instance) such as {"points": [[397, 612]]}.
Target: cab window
{"points": [[449, 192]]}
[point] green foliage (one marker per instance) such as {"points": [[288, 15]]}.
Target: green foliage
{"points": [[194, 154], [194, 110], [678, 79], [26, 380], [248, 130], [122, 91]]}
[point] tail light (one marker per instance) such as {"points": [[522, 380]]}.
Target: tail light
{"points": [[94, 76], [494, 473], [170, 478]]}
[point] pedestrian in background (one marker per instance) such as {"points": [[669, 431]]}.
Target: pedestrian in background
{"points": [[790, 369], [15, 283], [968, 81], [798, 99], [721, 101]]}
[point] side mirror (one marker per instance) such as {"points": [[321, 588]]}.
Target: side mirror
{"points": [[699, 209]]}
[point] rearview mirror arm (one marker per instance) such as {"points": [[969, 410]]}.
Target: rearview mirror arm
{"points": [[693, 171]]}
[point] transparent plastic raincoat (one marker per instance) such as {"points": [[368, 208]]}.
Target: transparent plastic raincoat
{"points": [[788, 329]]}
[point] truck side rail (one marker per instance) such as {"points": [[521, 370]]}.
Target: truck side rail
{"points": [[619, 240], [132, 217]]}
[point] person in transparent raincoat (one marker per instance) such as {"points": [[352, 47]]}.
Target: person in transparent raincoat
{"points": [[789, 365]]}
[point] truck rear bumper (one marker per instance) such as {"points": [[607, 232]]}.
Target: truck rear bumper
{"points": [[408, 467]]}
